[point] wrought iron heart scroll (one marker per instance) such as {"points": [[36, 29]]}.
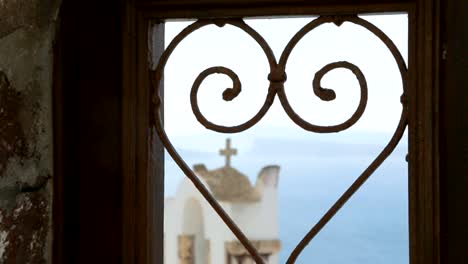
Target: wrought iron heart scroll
{"points": [[277, 78]]}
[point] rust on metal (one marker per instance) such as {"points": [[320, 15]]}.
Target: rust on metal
{"points": [[277, 78]]}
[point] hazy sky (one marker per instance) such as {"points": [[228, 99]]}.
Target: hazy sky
{"points": [[231, 47]]}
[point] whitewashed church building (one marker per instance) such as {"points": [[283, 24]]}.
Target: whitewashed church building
{"points": [[194, 233]]}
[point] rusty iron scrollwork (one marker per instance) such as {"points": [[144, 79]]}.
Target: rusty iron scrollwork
{"points": [[277, 78]]}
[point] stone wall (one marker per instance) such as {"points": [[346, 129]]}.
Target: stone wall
{"points": [[27, 29]]}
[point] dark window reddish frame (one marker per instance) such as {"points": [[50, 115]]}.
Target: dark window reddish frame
{"points": [[143, 153]]}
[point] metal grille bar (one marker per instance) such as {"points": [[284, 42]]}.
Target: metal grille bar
{"points": [[277, 78]]}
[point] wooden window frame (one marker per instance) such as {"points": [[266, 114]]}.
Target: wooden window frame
{"points": [[143, 179]]}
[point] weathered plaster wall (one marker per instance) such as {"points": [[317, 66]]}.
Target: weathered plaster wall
{"points": [[27, 29]]}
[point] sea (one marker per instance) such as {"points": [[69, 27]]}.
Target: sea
{"points": [[372, 228]]}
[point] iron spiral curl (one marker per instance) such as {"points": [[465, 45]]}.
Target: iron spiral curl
{"points": [[228, 95], [277, 78]]}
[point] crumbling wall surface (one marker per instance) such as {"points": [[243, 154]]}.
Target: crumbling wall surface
{"points": [[27, 29]]}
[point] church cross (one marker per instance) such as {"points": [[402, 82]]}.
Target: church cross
{"points": [[228, 152]]}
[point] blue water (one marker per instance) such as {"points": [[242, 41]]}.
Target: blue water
{"points": [[371, 228]]}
